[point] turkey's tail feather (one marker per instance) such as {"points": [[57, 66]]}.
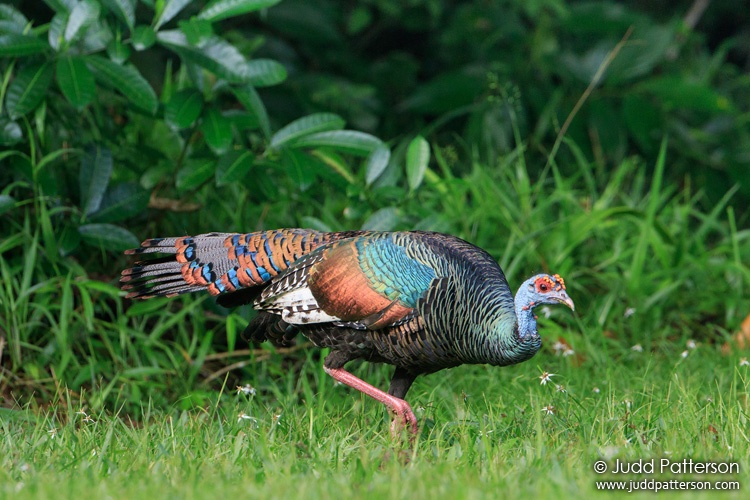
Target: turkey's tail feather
{"points": [[196, 263], [219, 262]]}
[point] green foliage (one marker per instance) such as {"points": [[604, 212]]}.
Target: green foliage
{"points": [[478, 69], [81, 83]]}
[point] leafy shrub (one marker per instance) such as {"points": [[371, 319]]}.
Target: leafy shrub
{"points": [[77, 103]]}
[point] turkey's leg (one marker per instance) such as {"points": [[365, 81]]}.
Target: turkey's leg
{"points": [[404, 415]]}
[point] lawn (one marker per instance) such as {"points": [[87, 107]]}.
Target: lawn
{"points": [[483, 432]]}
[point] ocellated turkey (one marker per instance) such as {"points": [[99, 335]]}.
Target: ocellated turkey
{"points": [[421, 301]]}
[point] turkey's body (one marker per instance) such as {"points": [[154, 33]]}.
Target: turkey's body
{"points": [[420, 301]]}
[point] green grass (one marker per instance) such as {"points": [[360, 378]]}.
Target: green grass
{"points": [[647, 263], [483, 431]]}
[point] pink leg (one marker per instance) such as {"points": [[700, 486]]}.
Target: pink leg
{"points": [[404, 415]]}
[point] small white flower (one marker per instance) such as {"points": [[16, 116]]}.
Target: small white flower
{"points": [[568, 352], [560, 388], [93, 453], [744, 362], [247, 390], [596, 390], [629, 312], [691, 344], [277, 419], [559, 347], [627, 403], [545, 377], [637, 348], [684, 354], [52, 432], [548, 410], [243, 416], [546, 311]]}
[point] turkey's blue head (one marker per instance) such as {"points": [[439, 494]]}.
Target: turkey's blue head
{"points": [[535, 291]]}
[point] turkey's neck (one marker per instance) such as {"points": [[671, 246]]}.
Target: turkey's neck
{"points": [[516, 338], [525, 314]]}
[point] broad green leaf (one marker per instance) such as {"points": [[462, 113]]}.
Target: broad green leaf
{"points": [[318, 122], [194, 174], [123, 9], [10, 132], [633, 62], [6, 203], [197, 31], [68, 239], [675, 92], [233, 167], [250, 99], [223, 9], [446, 92], [9, 27], [121, 202], [215, 55], [315, 223], [376, 163], [14, 45], [96, 38], [81, 16], [217, 131], [171, 9], [127, 80], [265, 72], [242, 120], [96, 169], [183, 108], [117, 51], [61, 5], [56, 33], [297, 167], [384, 219], [349, 141], [143, 37], [108, 236], [359, 19], [335, 163], [75, 80], [28, 88], [417, 158], [13, 21]]}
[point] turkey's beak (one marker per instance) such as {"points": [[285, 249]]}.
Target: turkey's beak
{"points": [[563, 298]]}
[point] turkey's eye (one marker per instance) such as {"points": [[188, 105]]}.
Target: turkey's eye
{"points": [[543, 287]]}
